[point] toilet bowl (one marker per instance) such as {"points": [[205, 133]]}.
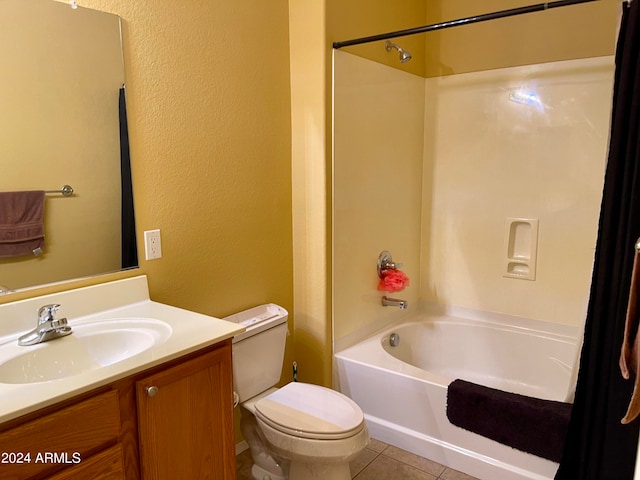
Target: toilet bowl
{"points": [[303, 431], [318, 430], [299, 431]]}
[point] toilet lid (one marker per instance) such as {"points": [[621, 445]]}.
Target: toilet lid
{"points": [[310, 411]]}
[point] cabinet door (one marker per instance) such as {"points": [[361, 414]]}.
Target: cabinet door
{"points": [[185, 420]]}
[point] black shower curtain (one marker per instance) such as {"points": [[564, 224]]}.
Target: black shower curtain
{"points": [[129, 245], [598, 446]]}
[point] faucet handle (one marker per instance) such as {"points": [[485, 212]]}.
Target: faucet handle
{"points": [[385, 262], [47, 313], [391, 266]]}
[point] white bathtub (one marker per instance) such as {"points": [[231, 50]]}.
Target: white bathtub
{"points": [[402, 390]]}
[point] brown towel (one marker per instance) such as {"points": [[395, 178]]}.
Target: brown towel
{"points": [[21, 223], [630, 352]]}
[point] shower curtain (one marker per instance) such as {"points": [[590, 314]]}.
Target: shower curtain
{"points": [[598, 446]]}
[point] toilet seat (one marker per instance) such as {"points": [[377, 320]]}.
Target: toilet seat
{"points": [[310, 411]]}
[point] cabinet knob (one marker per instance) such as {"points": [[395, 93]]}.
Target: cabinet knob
{"points": [[152, 391]]}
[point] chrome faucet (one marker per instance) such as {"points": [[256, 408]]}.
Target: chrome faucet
{"points": [[48, 327], [394, 302]]}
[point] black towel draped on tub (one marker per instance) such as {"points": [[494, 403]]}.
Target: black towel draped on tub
{"points": [[529, 424]]}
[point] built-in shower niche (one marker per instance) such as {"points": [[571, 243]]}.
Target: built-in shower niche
{"points": [[521, 245]]}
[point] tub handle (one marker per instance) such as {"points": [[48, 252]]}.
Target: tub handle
{"points": [[385, 262]]}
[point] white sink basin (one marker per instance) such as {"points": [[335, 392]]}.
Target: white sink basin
{"points": [[91, 346]]}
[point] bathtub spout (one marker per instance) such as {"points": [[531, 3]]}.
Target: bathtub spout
{"points": [[394, 302]]}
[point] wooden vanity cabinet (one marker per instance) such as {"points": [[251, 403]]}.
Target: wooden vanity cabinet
{"points": [[181, 428]]}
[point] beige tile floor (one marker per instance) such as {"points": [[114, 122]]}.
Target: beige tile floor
{"points": [[380, 461]]}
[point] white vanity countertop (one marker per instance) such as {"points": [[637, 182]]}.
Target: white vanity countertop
{"points": [[128, 298]]}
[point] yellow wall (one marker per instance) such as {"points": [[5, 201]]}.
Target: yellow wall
{"points": [[311, 215], [577, 31], [209, 95]]}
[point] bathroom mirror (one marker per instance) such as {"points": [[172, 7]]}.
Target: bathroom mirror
{"points": [[61, 123]]}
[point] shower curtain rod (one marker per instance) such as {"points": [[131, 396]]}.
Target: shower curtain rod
{"points": [[462, 21]]}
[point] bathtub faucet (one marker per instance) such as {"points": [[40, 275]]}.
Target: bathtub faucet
{"points": [[394, 302]]}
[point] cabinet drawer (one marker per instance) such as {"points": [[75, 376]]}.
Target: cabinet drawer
{"points": [[62, 438], [106, 465]]}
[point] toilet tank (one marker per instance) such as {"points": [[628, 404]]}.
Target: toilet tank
{"points": [[258, 352]]}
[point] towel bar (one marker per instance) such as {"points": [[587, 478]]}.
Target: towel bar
{"points": [[66, 191]]}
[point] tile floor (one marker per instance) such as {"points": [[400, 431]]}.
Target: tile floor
{"points": [[380, 461]]}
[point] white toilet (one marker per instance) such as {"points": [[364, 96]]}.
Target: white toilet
{"points": [[300, 431]]}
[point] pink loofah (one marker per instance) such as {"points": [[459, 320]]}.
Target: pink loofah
{"points": [[393, 281]]}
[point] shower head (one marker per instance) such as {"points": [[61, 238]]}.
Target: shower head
{"points": [[404, 55]]}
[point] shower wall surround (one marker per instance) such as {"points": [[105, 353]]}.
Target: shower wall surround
{"points": [[529, 142], [430, 169], [377, 194]]}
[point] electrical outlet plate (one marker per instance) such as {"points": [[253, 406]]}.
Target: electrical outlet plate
{"points": [[152, 245]]}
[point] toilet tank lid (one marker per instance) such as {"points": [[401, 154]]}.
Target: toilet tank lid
{"points": [[258, 319]]}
